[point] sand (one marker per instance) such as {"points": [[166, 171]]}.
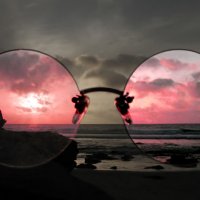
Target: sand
{"points": [[52, 181], [145, 185]]}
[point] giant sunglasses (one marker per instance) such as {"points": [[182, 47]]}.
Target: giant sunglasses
{"points": [[39, 95]]}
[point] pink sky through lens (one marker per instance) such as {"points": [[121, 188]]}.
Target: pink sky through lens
{"points": [[166, 89], [35, 89]]}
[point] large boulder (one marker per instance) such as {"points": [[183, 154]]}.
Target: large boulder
{"points": [[182, 160], [31, 149]]}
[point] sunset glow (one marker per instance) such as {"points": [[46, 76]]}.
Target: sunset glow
{"points": [[166, 89], [32, 103], [36, 89]]}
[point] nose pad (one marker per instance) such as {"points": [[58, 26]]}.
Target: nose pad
{"points": [[81, 105], [122, 103]]}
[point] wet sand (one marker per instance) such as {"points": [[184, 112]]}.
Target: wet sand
{"points": [[52, 181]]}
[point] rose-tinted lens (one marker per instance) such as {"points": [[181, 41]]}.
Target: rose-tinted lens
{"points": [[36, 101], [166, 109]]}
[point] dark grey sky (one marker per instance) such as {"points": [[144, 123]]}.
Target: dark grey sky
{"points": [[101, 41]]}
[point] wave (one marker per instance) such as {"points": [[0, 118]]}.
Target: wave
{"points": [[117, 131]]}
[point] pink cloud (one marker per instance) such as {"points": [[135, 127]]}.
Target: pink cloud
{"points": [[168, 91], [158, 116], [174, 104], [143, 88], [173, 64], [170, 64]]}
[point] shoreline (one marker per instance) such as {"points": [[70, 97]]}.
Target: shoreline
{"points": [[139, 163]]}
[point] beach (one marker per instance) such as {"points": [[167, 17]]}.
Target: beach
{"points": [[120, 171]]}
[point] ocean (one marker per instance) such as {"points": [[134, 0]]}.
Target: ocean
{"points": [[117, 131], [156, 140]]}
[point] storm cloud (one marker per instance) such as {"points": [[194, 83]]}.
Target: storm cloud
{"points": [[161, 83], [123, 62], [196, 76], [111, 72], [143, 88], [87, 61], [198, 89], [102, 27], [108, 77]]}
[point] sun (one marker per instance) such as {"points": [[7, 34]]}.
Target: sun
{"points": [[31, 103]]}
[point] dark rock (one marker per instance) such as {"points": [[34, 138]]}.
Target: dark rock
{"points": [[86, 166], [102, 156], [127, 157], [68, 156], [28, 149], [90, 159], [2, 121], [113, 167], [157, 167], [115, 152], [183, 161]]}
